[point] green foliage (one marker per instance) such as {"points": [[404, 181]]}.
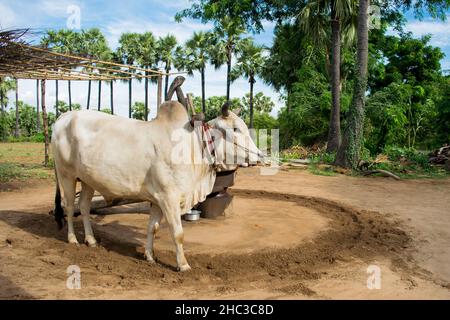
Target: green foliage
{"points": [[409, 163], [214, 105], [64, 107], [306, 118], [261, 103], [138, 111], [264, 121], [105, 110]]}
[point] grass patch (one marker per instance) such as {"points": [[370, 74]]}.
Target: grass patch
{"points": [[13, 171], [22, 161], [322, 171]]}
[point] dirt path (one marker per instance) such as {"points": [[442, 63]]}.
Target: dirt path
{"points": [[292, 235]]}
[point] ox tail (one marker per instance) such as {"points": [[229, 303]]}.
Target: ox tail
{"points": [[58, 211]]}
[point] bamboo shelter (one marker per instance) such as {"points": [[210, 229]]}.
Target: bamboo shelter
{"points": [[20, 60]]}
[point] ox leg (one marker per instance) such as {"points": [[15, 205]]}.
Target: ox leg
{"points": [[69, 189], [173, 217], [153, 226], [85, 208]]}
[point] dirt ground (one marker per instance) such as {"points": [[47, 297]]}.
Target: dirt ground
{"points": [[292, 235]]}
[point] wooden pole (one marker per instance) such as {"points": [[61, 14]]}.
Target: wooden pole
{"points": [[146, 99], [89, 94], [3, 115], [57, 98], [45, 120], [38, 117], [159, 97], [16, 131], [130, 88], [99, 95], [112, 96], [69, 87]]}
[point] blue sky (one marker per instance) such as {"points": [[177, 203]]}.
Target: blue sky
{"points": [[114, 17]]}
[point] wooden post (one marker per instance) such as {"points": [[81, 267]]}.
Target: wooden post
{"points": [[69, 87], [112, 96], [146, 98], [57, 98], [16, 131], [130, 88], [38, 117], [99, 95], [159, 92], [3, 123], [45, 120]]}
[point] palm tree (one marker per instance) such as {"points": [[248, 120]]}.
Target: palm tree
{"points": [[48, 40], [228, 35], [128, 53], [147, 57], [38, 117], [93, 45], [104, 54], [167, 46], [349, 152], [6, 85], [67, 42], [195, 56], [250, 62], [315, 18], [16, 131]]}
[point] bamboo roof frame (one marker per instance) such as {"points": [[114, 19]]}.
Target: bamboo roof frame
{"points": [[22, 61]]}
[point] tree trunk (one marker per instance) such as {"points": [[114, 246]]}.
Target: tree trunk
{"points": [[89, 94], [228, 72], [159, 93], [99, 95], [334, 132], [57, 98], [45, 122], [2, 105], [16, 131], [130, 97], [69, 86], [166, 84], [252, 82], [112, 96], [202, 72], [38, 116], [146, 99], [349, 151]]}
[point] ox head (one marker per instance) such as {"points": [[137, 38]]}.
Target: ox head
{"points": [[233, 142]]}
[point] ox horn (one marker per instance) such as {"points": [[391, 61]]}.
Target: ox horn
{"points": [[225, 108]]}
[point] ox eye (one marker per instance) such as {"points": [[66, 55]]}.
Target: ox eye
{"points": [[236, 129]]}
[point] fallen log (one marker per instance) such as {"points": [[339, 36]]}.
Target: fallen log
{"points": [[382, 172]]}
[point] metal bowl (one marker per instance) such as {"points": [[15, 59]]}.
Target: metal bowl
{"points": [[193, 215]]}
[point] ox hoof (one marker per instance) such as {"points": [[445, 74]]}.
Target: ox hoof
{"points": [[72, 239], [184, 268], [149, 256], [90, 242]]}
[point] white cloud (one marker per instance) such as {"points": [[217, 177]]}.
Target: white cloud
{"points": [[440, 31], [182, 31], [8, 17], [57, 8]]}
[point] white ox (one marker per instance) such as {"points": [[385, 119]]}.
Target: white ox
{"points": [[131, 159]]}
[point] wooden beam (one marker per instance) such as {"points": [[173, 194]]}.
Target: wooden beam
{"points": [[159, 97], [45, 120]]}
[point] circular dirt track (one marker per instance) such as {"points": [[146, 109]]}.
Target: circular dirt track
{"points": [[275, 240]]}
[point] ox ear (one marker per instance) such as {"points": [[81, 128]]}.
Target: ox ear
{"points": [[237, 111], [225, 109]]}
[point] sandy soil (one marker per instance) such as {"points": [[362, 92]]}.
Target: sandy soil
{"points": [[292, 235]]}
